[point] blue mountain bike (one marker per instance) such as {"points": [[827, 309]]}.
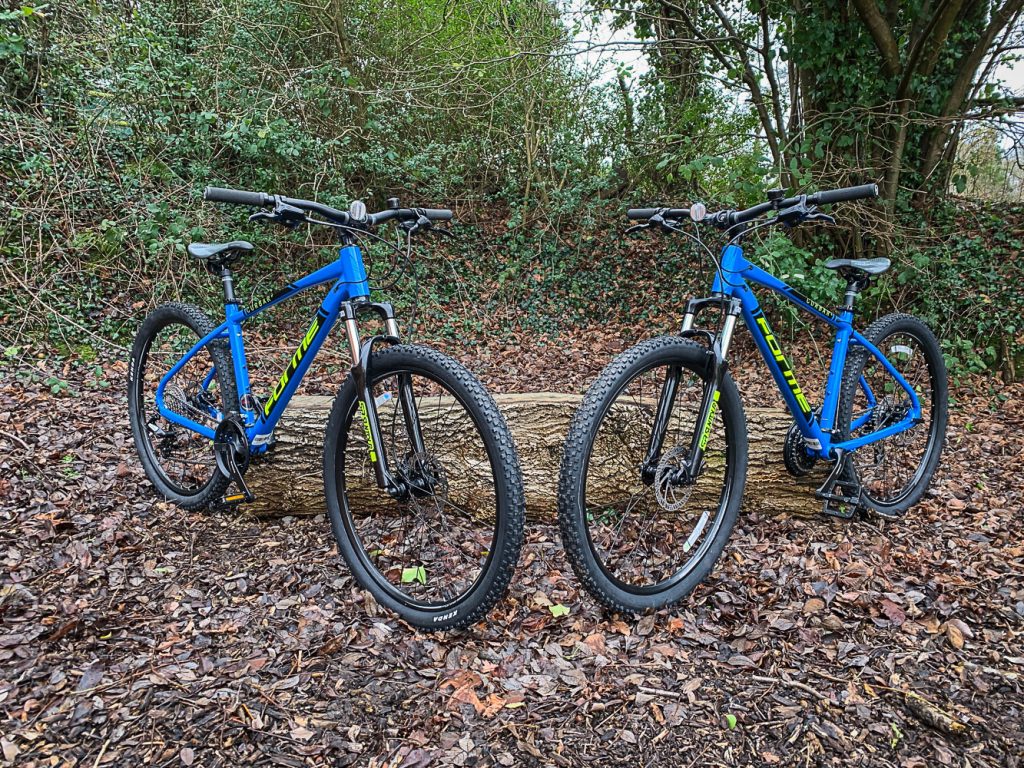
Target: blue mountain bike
{"points": [[655, 460], [422, 481]]}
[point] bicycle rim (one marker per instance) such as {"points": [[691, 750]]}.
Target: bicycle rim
{"points": [[432, 549], [648, 536]]}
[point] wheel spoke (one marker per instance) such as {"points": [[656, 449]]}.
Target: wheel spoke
{"points": [[449, 518], [633, 536]]}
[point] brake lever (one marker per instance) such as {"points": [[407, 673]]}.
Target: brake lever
{"points": [[819, 216], [283, 214], [637, 228]]}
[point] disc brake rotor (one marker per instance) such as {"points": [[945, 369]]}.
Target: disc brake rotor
{"points": [[671, 494], [426, 475]]}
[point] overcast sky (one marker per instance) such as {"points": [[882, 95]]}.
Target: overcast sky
{"points": [[611, 49]]}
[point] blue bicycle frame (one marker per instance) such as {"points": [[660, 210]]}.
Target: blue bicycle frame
{"points": [[350, 283], [731, 283]]}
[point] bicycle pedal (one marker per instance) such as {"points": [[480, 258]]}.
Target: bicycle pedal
{"points": [[843, 507], [841, 490]]}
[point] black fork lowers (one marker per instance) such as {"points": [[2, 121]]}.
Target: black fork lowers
{"points": [[718, 347], [361, 350]]}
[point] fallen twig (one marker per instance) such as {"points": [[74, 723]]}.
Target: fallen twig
{"points": [[793, 684], [931, 715], [660, 692]]}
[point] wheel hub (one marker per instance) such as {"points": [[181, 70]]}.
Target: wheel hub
{"points": [[672, 486], [425, 475]]}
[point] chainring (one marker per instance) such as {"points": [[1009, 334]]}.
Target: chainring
{"points": [[798, 461], [230, 436]]}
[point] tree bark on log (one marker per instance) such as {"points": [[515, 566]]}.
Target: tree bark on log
{"points": [[290, 480]]}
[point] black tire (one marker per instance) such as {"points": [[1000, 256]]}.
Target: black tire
{"points": [[179, 462], [657, 586], [479, 513], [911, 457]]}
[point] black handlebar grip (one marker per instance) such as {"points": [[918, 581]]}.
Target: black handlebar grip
{"points": [[641, 213], [842, 195], [236, 196], [438, 214]]}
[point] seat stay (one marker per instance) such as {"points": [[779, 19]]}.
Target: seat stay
{"points": [[218, 333], [907, 422]]}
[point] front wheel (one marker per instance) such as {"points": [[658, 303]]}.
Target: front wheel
{"points": [[895, 472], [443, 554], [638, 536]]}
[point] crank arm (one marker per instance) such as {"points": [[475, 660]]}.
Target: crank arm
{"points": [[235, 475]]}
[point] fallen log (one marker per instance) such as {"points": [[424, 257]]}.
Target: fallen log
{"points": [[290, 480]]}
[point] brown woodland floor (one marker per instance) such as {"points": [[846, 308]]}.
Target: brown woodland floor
{"points": [[135, 633]]}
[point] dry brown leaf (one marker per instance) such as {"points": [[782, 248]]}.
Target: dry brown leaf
{"points": [[954, 635]]}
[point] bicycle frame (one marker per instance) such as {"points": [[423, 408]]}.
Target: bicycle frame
{"points": [[731, 285], [349, 292]]}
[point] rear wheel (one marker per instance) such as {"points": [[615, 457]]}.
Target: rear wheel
{"points": [[444, 554], [895, 472], [179, 461], [638, 537]]}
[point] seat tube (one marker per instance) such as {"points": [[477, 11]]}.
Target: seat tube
{"points": [[234, 316], [837, 365]]}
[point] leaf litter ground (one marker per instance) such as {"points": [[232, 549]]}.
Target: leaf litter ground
{"points": [[134, 632]]}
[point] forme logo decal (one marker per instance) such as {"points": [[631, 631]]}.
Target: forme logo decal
{"points": [[784, 366], [318, 321]]}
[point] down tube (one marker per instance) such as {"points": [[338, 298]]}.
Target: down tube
{"points": [[300, 361], [782, 371]]}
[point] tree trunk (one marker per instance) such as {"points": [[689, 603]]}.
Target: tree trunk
{"points": [[290, 481]]}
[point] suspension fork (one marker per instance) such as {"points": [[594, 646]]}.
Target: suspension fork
{"points": [[360, 352], [709, 397], [407, 398]]}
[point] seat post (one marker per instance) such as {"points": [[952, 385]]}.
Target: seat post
{"points": [[854, 285], [229, 286]]}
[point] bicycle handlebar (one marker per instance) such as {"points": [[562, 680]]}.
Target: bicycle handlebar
{"points": [[843, 195], [639, 214], [263, 200], [237, 197], [729, 218]]}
